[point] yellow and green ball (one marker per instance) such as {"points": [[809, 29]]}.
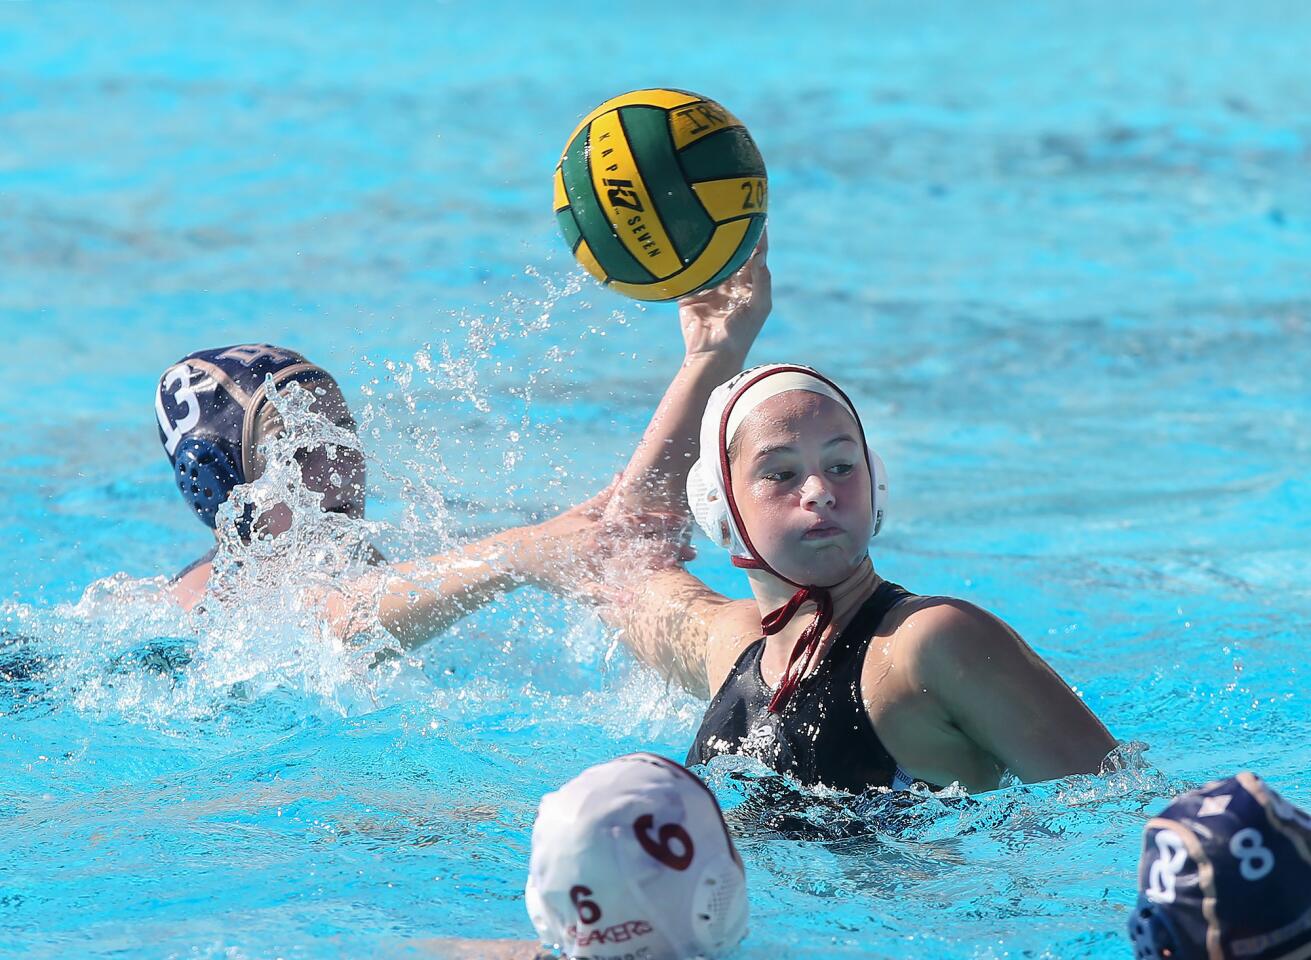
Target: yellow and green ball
{"points": [[660, 193]]}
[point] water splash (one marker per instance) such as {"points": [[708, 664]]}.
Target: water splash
{"points": [[297, 611], [770, 804], [496, 456]]}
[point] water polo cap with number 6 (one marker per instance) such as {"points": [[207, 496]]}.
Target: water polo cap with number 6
{"points": [[633, 857]]}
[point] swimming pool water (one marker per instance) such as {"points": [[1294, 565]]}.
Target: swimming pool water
{"points": [[1057, 254]]}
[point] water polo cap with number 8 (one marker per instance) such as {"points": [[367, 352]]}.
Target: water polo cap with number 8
{"points": [[634, 855], [213, 411], [1225, 875]]}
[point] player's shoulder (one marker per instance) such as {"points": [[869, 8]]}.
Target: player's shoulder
{"points": [[936, 635]]}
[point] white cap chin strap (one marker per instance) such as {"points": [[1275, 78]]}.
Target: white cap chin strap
{"points": [[729, 405]]}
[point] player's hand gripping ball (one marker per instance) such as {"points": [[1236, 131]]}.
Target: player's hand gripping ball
{"points": [[660, 193]]}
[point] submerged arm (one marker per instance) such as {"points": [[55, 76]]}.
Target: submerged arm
{"points": [[458, 949]]}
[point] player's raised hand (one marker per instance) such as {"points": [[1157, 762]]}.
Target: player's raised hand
{"points": [[726, 319]]}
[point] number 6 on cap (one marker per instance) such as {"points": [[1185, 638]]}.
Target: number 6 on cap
{"points": [[661, 850]]}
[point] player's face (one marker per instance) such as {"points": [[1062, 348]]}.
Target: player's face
{"points": [[802, 487], [337, 473]]}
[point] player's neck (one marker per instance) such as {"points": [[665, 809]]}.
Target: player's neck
{"points": [[849, 596]]}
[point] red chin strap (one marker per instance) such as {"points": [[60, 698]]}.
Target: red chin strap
{"points": [[807, 644]]}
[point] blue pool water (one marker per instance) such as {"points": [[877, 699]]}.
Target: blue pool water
{"points": [[1058, 255]]}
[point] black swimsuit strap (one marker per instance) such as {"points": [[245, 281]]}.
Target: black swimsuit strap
{"points": [[856, 635]]}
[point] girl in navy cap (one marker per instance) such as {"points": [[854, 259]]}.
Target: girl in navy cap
{"points": [[213, 412]]}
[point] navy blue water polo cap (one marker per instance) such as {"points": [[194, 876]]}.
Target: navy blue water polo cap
{"points": [[213, 412], [1225, 875]]}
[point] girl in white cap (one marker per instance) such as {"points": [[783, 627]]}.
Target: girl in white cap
{"points": [[829, 673]]}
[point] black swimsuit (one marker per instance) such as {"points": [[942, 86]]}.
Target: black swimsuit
{"points": [[823, 734]]}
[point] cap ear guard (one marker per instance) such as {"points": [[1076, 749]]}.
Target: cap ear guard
{"points": [[717, 903], [1152, 934], [719, 906], [710, 507], [878, 485], [717, 898], [205, 475]]}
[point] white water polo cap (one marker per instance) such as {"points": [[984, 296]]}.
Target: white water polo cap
{"points": [[632, 859], [709, 487]]}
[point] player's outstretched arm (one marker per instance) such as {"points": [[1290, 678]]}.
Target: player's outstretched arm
{"points": [[418, 599], [570, 554]]}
